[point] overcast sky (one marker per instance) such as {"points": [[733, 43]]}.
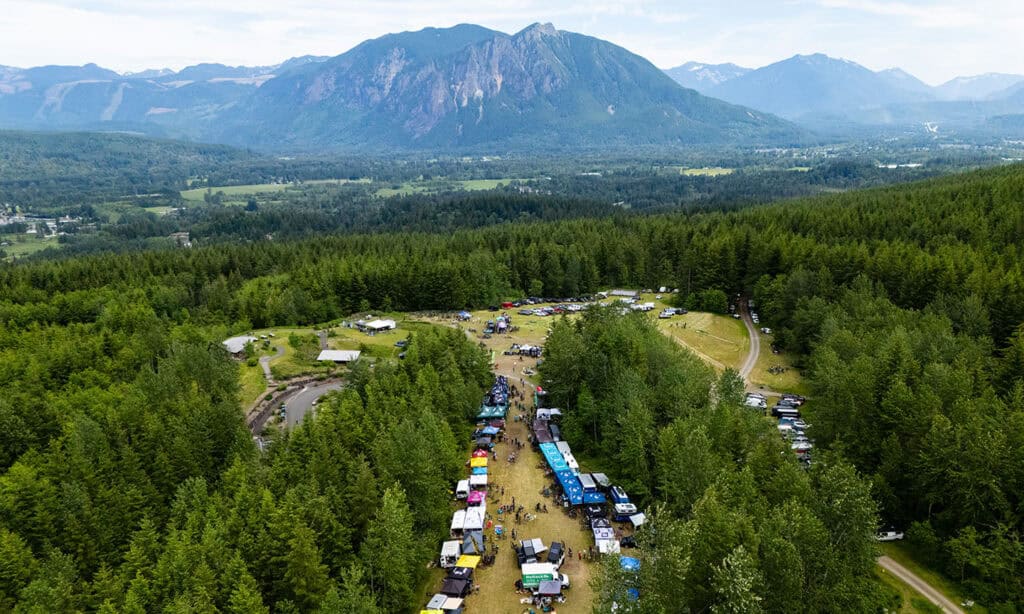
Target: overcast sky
{"points": [[933, 39]]}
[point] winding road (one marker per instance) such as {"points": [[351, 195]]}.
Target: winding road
{"points": [[905, 575], [303, 400]]}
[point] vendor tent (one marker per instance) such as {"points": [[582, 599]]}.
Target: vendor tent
{"points": [[476, 497], [458, 520], [561, 446], [547, 413], [479, 454], [549, 587], [608, 546], [638, 519], [479, 471], [593, 498], [474, 519], [491, 431], [478, 461], [437, 602], [602, 480], [536, 545], [468, 560], [455, 588], [461, 573], [473, 543], [478, 481], [603, 534]]}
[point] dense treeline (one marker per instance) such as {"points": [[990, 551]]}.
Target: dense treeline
{"points": [[140, 490], [738, 525], [907, 303]]}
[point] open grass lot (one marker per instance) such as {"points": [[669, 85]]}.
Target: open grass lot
{"points": [[198, 194], [789, 380], [24, 245], [715, 171], [903, 554], [720, 340], [440, 185], [252, 382]]}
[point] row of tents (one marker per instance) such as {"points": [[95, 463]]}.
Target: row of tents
{"points": [[465, 551], [495, 403]]}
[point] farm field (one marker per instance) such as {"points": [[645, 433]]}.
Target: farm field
{"points": [[715, 171], [24, 245], [197, 194]]}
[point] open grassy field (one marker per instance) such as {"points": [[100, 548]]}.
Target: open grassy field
{"points": [[789, 380], [715, 171], [440, 185], [720, 340], [903, 554], [22, 245], [198, 194]]}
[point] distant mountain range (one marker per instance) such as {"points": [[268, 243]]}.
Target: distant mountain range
{"points": [[702, 77], [460, 87], [832, 95], [468, 87]]}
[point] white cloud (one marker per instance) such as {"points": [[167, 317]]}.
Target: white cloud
{"points": [[934, 39]]}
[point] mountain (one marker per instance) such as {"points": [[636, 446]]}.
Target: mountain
{"points": [[902, 80], [468, 86], [702, 77], [977, 87], [817, 84], [1014, 93]]}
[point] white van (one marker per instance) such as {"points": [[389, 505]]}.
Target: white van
{"points": [[462, 489], [450, 552]]}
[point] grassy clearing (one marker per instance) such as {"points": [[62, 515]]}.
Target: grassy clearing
{"points": [[22, 245], [159, 210], [440, 185], [903, 554], [198, 194], [720, 340], [714, 171], [789, 380], [253, 384]]}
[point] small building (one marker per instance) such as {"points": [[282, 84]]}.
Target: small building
{"points": [[236, 345], [339, 357], [376, 326]]}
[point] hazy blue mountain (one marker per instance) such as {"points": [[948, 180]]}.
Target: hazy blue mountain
{"points": [[901, 79], [815, 84], [977, 87], [468, 86], [702, 77]]}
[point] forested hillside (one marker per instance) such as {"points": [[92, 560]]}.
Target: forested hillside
{"points": [[120, 424]]}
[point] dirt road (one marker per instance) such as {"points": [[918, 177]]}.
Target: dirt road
{"points": [[755, 347], [919, 585], [265, 363]]}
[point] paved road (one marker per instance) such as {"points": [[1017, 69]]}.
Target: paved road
{"points": [[265, 363], [301, 403], [919, 585]]}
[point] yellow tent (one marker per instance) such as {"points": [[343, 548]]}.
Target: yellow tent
{"points": [[431, 612], [468, 560], [479, 461]]}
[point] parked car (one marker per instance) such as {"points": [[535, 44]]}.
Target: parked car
{"points": [[889, 536]]}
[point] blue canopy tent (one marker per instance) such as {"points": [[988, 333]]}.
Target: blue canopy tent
{"points": [[479, 470], [594, 498], [629, 563], [491, 431]]}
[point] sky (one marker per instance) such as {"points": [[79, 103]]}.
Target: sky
{"points": [[934, 40]]}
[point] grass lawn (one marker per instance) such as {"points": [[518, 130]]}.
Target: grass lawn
{"points": [[903, 554], [252, 384], [29, 244], [439, 185], [789, 380], [159, 210], [714, 171], [198, 194], [720, 340]]}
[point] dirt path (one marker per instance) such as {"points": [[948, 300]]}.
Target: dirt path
{"points": [[265, 363], [919, 585], [755, 347]]}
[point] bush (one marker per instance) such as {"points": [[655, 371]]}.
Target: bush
{"points": [[252, 362], [282, 387]]}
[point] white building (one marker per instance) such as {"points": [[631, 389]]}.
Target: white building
{"points": [[339, 356], [236, 345]]}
